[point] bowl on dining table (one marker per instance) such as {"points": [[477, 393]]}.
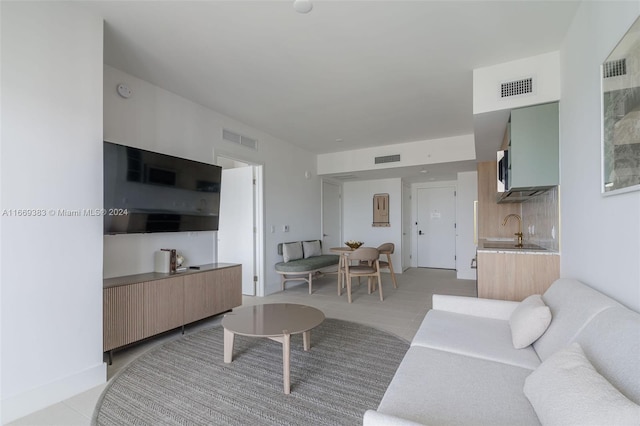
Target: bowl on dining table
{"points": [[354, 244]]}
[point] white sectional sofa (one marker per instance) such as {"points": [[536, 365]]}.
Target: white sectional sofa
{"points": [[462, 367]]}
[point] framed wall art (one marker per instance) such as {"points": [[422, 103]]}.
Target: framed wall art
{"points": [[621, 115], [381, 210]]}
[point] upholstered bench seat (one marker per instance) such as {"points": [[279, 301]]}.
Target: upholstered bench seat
{"points": [[305, 267], [309, 264]]}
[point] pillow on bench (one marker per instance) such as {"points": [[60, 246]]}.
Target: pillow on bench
{"points": [[311, 248], [292, 251]]}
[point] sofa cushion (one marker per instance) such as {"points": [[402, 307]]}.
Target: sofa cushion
{"points": [[292, 251], [485, 338], [311, 248], [441, 388], [372, 417], [572, 305], [476, 306], [307, 265], [528, 321], [611, 341], [566, 390]]}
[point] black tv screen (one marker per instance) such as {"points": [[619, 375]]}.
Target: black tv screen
{"points": [[146, 191]]}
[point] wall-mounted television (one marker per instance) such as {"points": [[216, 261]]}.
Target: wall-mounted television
{"points": [[146, 191]]}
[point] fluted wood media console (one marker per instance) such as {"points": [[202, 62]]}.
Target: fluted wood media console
{"points": [[139, 306]]}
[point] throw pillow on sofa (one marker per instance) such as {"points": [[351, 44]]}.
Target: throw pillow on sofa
{"points": [[311, 248], [529, 321], [567, 390], [292, 251]]}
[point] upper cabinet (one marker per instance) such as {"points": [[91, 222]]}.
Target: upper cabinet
{"points": [[532, 161]]}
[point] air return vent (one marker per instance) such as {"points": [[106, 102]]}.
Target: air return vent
{"points": [[614, 68], [387, 159], [517, 87], [345, 177], [230, 136]]}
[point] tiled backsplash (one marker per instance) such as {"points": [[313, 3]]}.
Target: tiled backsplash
{"points": [[541, 220]]}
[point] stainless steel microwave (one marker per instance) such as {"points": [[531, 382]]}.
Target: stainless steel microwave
{"points": [[503, 171]]}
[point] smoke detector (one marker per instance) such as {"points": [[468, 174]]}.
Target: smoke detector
{"points": [[124, 91], [302, 6]]}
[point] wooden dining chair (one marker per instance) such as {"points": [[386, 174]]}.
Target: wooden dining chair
{"points": [[387, 249], [342, 272], [367, 265]]}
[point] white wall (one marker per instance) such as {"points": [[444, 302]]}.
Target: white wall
{"points": [[158, 120], [467, 193], [545, 70], [129, 254], [600, 235], [445, 150], [357, 207], [357, 215], [51, 158]]}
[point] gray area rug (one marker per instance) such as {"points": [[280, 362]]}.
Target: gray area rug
{"points": [[186, 382]]}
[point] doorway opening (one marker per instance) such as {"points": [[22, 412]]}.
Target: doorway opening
{"points": [[436, 223], [331, 215], [241, 230]]}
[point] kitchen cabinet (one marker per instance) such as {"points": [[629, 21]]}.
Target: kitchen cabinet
{"points": [[533, 160], [515, 275]]}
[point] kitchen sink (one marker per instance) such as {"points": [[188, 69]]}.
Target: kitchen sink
{"points": [[511, 245]]}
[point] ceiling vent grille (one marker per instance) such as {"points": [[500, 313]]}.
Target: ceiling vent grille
{"points": [[387, 159], [230, 136], [517, 87], [614, 68]]}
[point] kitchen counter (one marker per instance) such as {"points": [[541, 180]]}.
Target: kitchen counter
{"points": [[509, 246], [509, 273]]}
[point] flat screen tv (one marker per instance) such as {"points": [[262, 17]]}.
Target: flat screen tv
{"points": [[146, 191]]}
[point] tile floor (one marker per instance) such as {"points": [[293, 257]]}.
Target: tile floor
{"points": [[401, 314]]}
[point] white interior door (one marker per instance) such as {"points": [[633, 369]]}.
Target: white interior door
{"points": [[436, 227], [236, 231], [330, 216], [406, 226]]}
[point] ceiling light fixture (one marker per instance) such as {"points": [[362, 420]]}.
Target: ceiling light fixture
{"points": [[423, 170], [302, 6]]}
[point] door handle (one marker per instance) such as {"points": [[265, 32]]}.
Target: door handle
{"points": [[420, 233], [325, 235]]}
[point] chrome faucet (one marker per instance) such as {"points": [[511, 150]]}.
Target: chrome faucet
{"points": [[519, 233]]}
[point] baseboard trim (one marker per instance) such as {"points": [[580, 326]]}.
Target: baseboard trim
{"points": [[18, 406]]}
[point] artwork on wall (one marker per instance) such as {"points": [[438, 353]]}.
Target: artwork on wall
{"points": [[621, 115], [381, 210]]}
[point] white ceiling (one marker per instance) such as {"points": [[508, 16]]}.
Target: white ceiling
{"points": [[369, 73]]}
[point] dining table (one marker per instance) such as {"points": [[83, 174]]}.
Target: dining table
{"points": [[344, 256]]}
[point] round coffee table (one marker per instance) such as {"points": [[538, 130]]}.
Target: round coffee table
{"points": [[275, 321]]}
